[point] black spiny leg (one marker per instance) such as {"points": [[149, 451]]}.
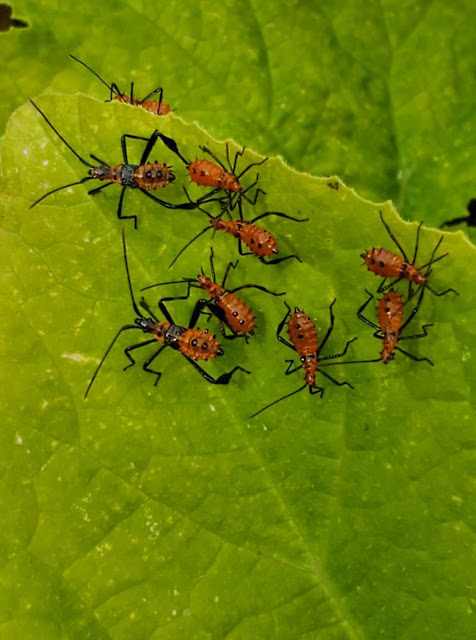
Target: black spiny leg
{"points": [[395, 239], [362, 309], [279, 214], [159, 90], [169, 205], [113, 88], [127, 351], [223, 379], [337, 355], [252, 164], [339, 384], [277, 260], [243, 193], [331, 327], [150, 360], [257, 286], [281, 326], [172, 145], [291, 368], [385, 287], [119, 209], [417, 242], [316, 390], [418, 335], [197, 310], [410, 355], [148, 148]]}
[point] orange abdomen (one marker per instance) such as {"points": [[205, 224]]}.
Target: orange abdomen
{"points": [[390, 319], [207, 174], [390, 312], [257, 239], [238, 316], [303, 335], [386, 264], [153, 106], [152, 176], [198, 344]]}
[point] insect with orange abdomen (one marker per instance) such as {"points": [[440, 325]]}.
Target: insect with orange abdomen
{"points": [[223, 303], [387, 264], [259, 240], [145, 176], [156, 107], [303, 336], [205, 173], [390, 313], [193, 343]]}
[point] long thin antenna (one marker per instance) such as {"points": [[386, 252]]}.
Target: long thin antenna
{"points": [[390, 233], [433, 259], [278, 400], [188, 244], [65, 186], [109, 86], [127, 326], [129, 283], [85, 162], [160, 284]]}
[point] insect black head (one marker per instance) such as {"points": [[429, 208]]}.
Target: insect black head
{"points": [[220, 351], [146, 324], [100, 173]]}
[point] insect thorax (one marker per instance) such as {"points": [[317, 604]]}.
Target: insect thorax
{"points": [[172, 335], [128, 175]]}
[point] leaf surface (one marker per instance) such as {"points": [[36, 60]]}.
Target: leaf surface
{"points": [[164, 512]]}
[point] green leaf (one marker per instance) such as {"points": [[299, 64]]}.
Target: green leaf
{"points": [[379, 93], [164, 511]]}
